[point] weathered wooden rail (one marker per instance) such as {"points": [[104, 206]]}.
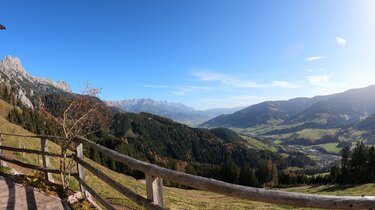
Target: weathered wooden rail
{"points": [[155, 175]]}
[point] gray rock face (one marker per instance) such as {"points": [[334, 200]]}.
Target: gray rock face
{"points": [[27, 88]]}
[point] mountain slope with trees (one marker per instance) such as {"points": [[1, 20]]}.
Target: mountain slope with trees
{"points": [[331, 111]]}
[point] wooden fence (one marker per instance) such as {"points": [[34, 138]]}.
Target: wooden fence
{"points": [[155, 175]]}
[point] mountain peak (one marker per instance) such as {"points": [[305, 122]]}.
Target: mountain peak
{"points": [[13, 68], [13, 65], [27, 87]]}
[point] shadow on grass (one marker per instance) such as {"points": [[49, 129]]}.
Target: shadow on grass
{"points": [[337, 187]]}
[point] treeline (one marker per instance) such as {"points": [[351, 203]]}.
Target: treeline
{"points": [[357, 167], [298, 177], [6, 94], [29, 119], [263, 175], [33, 121]]}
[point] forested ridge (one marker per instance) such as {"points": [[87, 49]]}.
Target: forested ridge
{"points": [[217, 153]]}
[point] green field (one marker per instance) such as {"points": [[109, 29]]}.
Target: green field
{"points": [[350, 190], [308, 134], [331, 147], [258, 145]]}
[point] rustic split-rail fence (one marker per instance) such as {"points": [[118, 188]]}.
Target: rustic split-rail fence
{"points": [[155, 175]]}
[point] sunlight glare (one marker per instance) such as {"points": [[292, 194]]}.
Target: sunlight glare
{"points": [[370, 10]]}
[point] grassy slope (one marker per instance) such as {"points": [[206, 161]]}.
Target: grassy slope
{"points": [[331, 147], [5, 108], [174, 198], [308, 134], [258, 145], [359, 190], [312, 135]]}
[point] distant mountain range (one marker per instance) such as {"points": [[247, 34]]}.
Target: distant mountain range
{"points": [[331, 111], [175, 111]]}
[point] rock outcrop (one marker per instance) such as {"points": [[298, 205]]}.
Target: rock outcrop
{"points": [[26, 87]]}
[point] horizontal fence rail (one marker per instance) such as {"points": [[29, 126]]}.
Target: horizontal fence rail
{"points": [[43, 152], [13, 149], [155, 174], [249, 193], [30, 166]]}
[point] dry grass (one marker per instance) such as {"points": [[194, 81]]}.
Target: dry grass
{"points": [[5, 108]]}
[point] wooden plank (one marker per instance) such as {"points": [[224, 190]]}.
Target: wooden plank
{"points": [[154, 186], [80, 169], [95, 194], [14, 149], [117, 186], [30, 166], [34, 136], [45, 159], [249, 193]]}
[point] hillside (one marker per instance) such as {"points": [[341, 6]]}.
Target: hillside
{"points": [[321, 112], [361, 131], [318, 127], [265, 113], [156, 138]]}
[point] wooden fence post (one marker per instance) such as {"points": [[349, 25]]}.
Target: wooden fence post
{"points": [[45, 158], [1, 152], [154, 186], [81, 171]]}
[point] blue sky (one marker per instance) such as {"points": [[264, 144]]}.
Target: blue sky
{"points": [[203, 53]]}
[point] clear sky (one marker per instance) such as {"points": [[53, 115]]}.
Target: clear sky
{"points": [[203, 53]]}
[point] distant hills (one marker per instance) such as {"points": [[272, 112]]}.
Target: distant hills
{"points": [[363, 130], [331, 111], [175, 111], [321, 124]]}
